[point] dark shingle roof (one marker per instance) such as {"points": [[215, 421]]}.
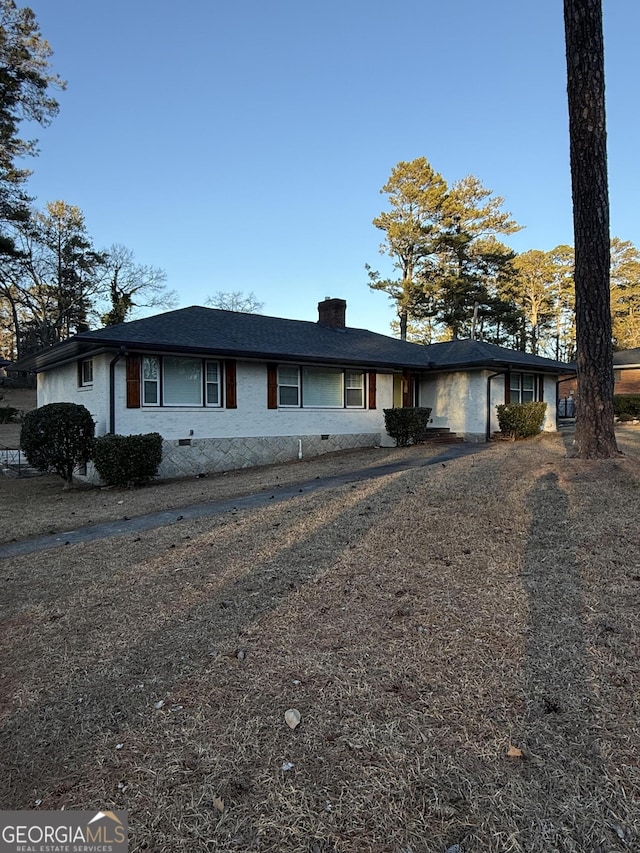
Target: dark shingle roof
{"points": [[626, 357], [467, 353], [210, 331]]}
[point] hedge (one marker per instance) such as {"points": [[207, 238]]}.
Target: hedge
{"points": [[407, 426], [8, 414], [127, 460], [626, 404], [521, 420]]}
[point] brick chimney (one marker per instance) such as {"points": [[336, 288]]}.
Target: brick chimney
{"points": [[332, 313]]}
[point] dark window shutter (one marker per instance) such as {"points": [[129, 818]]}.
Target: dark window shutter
{"points": [[372, 390], [230, 387], [507, 387], [541, 387], [272, 386], [407, 400], [133, 382], [80, 374]]}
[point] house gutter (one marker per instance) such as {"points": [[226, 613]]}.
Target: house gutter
{"points": [[28, 363], [489, 378], [112, 388]]}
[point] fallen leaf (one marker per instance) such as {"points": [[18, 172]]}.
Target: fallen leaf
{"points": [[514, 752], [218, 804], [292, 717]]}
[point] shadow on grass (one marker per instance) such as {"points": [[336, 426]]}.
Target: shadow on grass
{"points": [[50, 743], [208, 509], [563, 768]]}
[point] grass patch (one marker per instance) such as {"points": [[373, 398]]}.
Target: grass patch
{"points": [[423, 623]]}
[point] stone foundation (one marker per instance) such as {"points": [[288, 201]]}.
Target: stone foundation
{"points": [[189, 457]]}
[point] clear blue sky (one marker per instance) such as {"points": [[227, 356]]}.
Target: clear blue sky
{"points": [[242, 145]]}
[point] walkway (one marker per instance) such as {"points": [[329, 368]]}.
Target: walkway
{"points": [[210, 509]]}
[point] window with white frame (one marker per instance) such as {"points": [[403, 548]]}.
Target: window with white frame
{"points": [[180, 381], [522, 388], [151, 381], [320, 387], [288, 386], [86, 372], [354, 389], [213, 397]]}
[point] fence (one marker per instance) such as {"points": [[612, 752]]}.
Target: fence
{"points": [[566, 407], [13, 459]]}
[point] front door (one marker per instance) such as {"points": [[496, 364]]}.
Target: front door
{"points": [[404, 390]]}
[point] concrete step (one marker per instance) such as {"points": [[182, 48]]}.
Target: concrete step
{"points": [[441, 435]]}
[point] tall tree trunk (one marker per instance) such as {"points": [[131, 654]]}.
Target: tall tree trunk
{"points": [[595, 437], [404, 322]]}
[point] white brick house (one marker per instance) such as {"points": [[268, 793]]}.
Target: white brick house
{"points": [[228, 390]]}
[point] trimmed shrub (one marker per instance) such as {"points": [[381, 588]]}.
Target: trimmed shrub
{"points": [[407, 426], [127, 460], [626, 404], [8, 414], [521, 420], [58, 438]]}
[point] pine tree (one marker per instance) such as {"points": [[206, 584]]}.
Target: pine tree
{"points": [[595, 436]]}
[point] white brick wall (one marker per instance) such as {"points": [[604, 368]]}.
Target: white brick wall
{"points": [[459, 401], [251, 418], [61, 386], [221, 439]]}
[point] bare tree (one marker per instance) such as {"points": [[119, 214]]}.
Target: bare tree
{"points": [[595, 436], [235, 300], [130, 285]]}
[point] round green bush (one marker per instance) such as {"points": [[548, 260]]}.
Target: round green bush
{"points": [[58, 438]]}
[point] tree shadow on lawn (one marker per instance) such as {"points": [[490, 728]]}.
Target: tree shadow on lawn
{"points": [[562, 774], [49, 744]]}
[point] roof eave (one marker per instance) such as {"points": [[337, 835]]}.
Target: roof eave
{"points": [[275, 355], [80, 346], [56, 356], [500, 364]]}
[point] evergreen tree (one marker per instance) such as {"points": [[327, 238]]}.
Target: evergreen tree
{"points": [[563, 344], [444, 244], [416, 194], [534, 278], [625, 294], [57, 276], [469, 258], [26, 80], [595, 436]]}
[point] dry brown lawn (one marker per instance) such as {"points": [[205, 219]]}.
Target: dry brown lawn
{"points": [[461, 642]]}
